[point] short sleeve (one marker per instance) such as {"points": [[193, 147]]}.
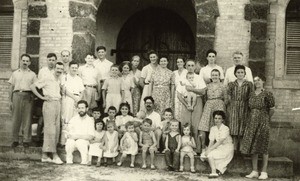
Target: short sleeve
{"points": [[105, 85], [212, 134], [221, 73], [144, 72], [11, 80], [200, 84], [40, 83], [269, 99], [224, 133]]}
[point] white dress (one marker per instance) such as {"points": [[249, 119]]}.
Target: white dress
{"points": [[187, 148], [110, 143], [146, 74], [177, 104], [130, 144], [128, 85], [95, 149], [223, 154]]}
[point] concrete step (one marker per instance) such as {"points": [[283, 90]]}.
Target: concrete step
{"points": [[281, 167]]}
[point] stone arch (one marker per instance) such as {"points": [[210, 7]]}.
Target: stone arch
{"points": [[84, 26]]}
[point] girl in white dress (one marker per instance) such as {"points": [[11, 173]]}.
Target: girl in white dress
{"points": [[96, 145], [129, 144], [128, 84], [188, 146], [123, 116], [111, 143]]}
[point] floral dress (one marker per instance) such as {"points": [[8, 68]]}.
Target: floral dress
{"points": [[257, 132], [136, 92], [215, 96], [161, 92], [238, 108]]}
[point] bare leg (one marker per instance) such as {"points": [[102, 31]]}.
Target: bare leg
{"points": [[182, 154], [132, 159], [122, 158], [192, 158], [265, 162], [202, 138], [90, 158], [254, 162], [152, 157], [212, 165], [144, 155]]}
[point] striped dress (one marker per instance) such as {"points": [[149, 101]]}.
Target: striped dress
{"points": [[238, 108]]}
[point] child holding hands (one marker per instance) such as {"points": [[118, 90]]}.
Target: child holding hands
{"points": [[148, 142], [129, 144]]}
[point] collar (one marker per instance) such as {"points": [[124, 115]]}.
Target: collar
{"points": [[87, 65], [21, 70]]}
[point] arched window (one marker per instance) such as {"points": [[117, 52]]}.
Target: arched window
{"points": [[293, 38]]}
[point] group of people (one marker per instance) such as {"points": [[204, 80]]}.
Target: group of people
{"points": [[155, 108]]}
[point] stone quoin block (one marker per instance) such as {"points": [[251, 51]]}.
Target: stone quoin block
{"points": [[84, 25], [207, 26], [200, 1], [81, 10], [256, 11], [204, 44], [259, 1], [37, 11], [81, 45], [33, 27], [33, 45], [257, 68], [258, 30], [209, 9], [34, 66], [257, 49]]}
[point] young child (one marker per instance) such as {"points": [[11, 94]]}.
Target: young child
{"points": [[112, 111], [111, 143], [96, 145], [129, 144], [128, 83], [138, 121], [188, 144], [113, 89], [124, 115], [172, 144], [167, 116], [96, 113], [189, 97], [147, 142]]}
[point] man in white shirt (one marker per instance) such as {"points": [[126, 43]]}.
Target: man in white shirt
{"points": [[81, 131], [49, 70], [102, 64], [155, 117], [238, 59]]}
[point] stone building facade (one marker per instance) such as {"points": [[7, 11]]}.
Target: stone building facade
{"points": [[255, 27]]}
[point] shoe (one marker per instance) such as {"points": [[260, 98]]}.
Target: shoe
{"points": [[98, 164], [263, 176], [132, 165], [26, 144], [119, 164], [105, 164], [181, 169], [213, 175], [15, 144], [170, 168], [144, 166], [89, 163], [83, 163], [193, 170], [57, 161], [152, 167], [253, 174], [46, 160], [69, 162]]}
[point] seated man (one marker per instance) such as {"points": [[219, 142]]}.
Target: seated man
{"points": [[81, 131]]}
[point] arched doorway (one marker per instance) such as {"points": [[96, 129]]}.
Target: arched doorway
{"points": [[159, 29]]}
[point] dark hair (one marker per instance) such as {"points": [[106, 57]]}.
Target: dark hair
{"points": [[113, 108], [187, 125], [83, 102], [59, 63], [219, 113], [126, 105], [73, 63], [211, 51], [90, 54], [169, 110], [99, 121], [26, 55], [238, 67], [147, 120], [123, 64], [101, 48], [216, 70], [129, 123], [163, 57], [152, 52], [52, 55], [115, 65], [262, 77], [149, 97], [96, 109]]}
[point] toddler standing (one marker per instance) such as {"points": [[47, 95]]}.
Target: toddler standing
{"points": [[110, 143], [96, 145]]}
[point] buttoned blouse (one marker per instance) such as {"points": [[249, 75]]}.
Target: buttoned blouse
{"points": [[73, 84], [22, 79], [217, 134]]}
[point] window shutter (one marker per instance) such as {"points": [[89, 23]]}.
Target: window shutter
{"points": [[293, 48], [6, 31]]}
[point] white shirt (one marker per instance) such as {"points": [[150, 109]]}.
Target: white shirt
{"points": [[156, 120], [217, 134], [22, 79], [73, 84], [82, 126], [205, 72], [147, 73], [45, 72], [89, 74], [180, 77], [50, 86], [230, 77], [199, 84], [103, 67]]}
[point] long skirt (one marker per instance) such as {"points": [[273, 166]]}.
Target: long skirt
{"points": [[136, 98]]}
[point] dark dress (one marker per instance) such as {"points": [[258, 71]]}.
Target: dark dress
{"points": [[171, 156], [238, 109], [256, 137]]}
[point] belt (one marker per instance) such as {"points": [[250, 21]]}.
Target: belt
{"points": [[27, 91], [91, 86], [76, 94], [146, 83]]}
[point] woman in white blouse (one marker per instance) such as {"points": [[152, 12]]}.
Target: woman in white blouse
{"points": [[220, 149]]}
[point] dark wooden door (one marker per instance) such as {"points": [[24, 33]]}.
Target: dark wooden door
{"points": [[159, 29]]}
